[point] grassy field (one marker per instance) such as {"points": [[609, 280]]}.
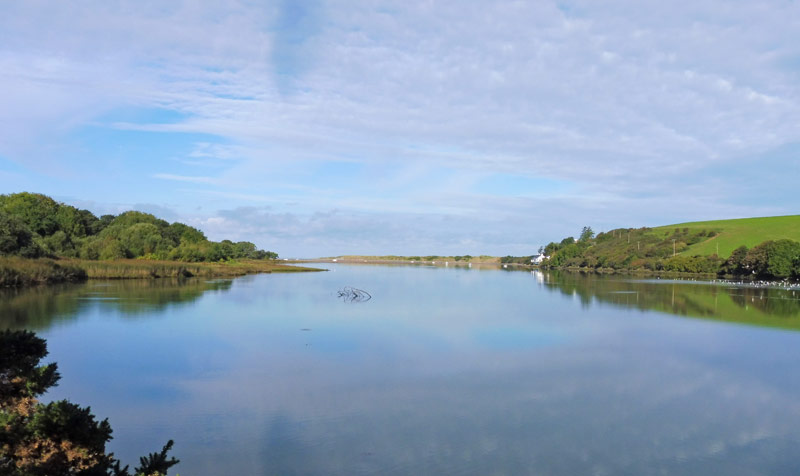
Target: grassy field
{"points": [[735, 233], [15, 272]]}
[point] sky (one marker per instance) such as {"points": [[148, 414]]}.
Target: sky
{"points": [[321, 128]]}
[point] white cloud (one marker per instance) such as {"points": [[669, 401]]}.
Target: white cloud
{"points": [[621, 99]]}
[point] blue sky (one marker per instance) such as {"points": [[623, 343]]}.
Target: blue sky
{"points": [[322, 127]]}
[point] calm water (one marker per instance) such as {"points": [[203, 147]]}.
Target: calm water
{"points": [[444, 371]]}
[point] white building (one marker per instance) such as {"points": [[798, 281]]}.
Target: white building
{"points": [[539, 258]]}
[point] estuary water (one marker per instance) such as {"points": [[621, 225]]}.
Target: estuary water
{"points": [[444, 371]]}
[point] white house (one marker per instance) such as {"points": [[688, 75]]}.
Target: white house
{"points": [[539, 258]]}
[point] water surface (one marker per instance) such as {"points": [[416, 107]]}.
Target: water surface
{"points": [[443, 371]]}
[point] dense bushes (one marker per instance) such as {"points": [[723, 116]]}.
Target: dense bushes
{"points": [[774, 259], [34, 225]]}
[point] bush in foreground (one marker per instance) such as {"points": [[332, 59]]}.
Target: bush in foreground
{"points": [[58, 438]]}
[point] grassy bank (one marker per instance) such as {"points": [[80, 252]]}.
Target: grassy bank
{"points": [[18, 272], [765, 248], [731, 234], [144, 269]]}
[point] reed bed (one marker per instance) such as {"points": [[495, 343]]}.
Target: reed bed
{"points": [[18, 272], [145, 269]]}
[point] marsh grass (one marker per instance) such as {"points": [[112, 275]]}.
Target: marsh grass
{"points": [[144, 269], [18, 272]]}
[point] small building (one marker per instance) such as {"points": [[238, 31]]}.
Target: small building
{"points": [[537, 259]]}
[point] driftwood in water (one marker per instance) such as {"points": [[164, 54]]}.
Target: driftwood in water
{"points": [[351, 294]]}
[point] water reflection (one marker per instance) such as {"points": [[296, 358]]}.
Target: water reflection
{"points": [[773, 307], [40, 307], [443, 371]]}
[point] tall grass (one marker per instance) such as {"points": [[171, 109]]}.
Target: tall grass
{"points": [[145, 269], [15, 272]]}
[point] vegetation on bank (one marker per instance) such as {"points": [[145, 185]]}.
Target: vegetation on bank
{"points": [[731, 234], [670, 249], [20, 272], [429, 258], [34, 226], [58, 438], [45, 242]]}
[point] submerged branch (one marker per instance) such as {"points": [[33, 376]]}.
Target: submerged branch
{"points": [[351, 294]]}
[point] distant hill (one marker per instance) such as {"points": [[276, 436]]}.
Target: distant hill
{"points": [[732, 234]]}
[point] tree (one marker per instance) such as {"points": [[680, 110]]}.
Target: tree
{"points": [[16, 238], [37, 211], [34, 225], [773, 259], [59, 438], [586, 234], [186, 233], [735, 262]]}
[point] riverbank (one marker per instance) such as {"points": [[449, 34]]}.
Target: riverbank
{"points": [[749, 281], [21, 272], [392, 259]]}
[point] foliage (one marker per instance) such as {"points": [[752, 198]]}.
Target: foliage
{"points": [[586, 234], [730, 234], [16, 238], [516, 259], [34, 225], [773, 259], [668, 249], [735, 263], [58, 438]]}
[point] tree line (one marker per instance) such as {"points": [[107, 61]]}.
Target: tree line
{"points": [[643, 249], [33, 225]]}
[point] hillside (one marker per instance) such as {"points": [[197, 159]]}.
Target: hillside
{"points": [[732, 234], [767, 247]]}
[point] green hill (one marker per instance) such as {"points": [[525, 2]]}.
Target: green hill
{"points": [[732, 234], [767, 247]]}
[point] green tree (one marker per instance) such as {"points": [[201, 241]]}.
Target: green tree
{"points": [[186, 233], [586, 234], [142, 238], [37, 211], [16, 238], [773, 259], [735, 262]]}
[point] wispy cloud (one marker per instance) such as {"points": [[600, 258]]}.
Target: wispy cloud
{"points": [[183, 178], [632, 105]]}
